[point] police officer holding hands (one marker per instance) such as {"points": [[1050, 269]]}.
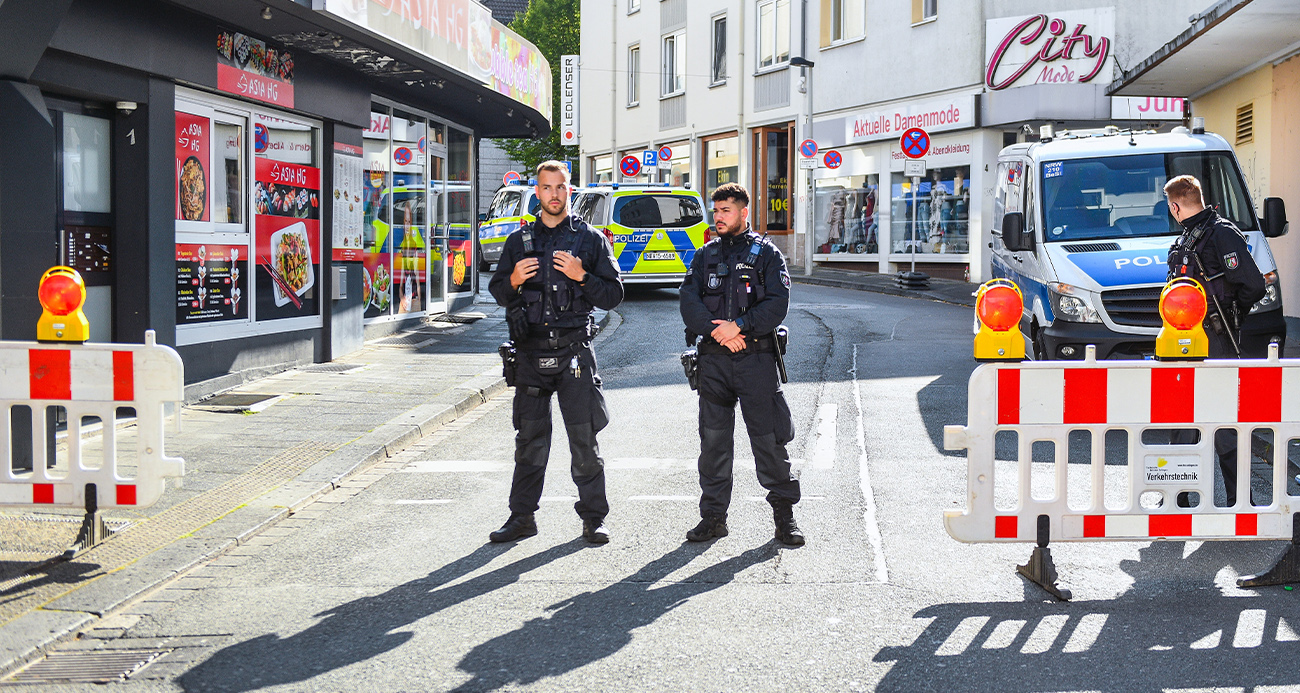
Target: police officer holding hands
{"points": [[735, 295], [552, 274], [1213, 251]]}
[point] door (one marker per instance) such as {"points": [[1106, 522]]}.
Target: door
{"points": [[85, 210], [773, 208], [436, 279]]}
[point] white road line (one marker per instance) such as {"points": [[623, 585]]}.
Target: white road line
{"points": [[424, 501], [479, 466], [864, 471], [823, 453]]}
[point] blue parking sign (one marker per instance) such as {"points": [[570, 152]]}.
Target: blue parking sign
{"points": [[649, 158]]}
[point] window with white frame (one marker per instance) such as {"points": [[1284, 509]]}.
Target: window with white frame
{"points": [[848, 20], [773, 32], [718, 68], [924, 10], [674, 64], [633, 6], [634, 75]]}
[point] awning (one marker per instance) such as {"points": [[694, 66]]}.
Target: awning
{"points": [[469, 66], [1227, 41]]}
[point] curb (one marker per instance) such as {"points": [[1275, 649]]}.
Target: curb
{"points": [[883, 289], [58, 625]]}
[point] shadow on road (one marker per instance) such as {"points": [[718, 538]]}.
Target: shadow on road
{"points": [[1136, 642], [591, 626]]}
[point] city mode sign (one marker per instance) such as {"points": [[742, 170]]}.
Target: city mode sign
{"points": [[1057, 48]]}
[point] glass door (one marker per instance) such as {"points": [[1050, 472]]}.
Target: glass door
{"points": [[85, 213], [460, 217], [438, 223]]}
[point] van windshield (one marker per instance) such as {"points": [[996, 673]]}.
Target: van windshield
{"points": [[658, 211], [1123, 196]]}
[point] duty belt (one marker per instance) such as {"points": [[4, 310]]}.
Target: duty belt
{"points": [[550, 340], [708, 345]]}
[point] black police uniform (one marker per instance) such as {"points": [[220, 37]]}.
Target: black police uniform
{"points": [[557, 358], [1231, 276], [722, 285]]}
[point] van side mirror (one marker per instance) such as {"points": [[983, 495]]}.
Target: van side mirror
{"points": [[1274, 220], [1014, 236], [482, 218]]}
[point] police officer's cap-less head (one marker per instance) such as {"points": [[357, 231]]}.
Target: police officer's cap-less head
{"points": [[1184, 195], [552, 192], [730, 209]]}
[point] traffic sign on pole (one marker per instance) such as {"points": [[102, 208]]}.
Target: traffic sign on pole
{"points": [[808, 163], [832, 159], [511, 178], [808, 148], [914, 168], [665, 153], [650, 158], [915, 143], [630, 166]]}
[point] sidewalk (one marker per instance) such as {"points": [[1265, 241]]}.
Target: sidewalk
{"points": [[245, 471]]}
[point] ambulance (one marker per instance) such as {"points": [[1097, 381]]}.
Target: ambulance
{"points": [[1081, 224], [655, 229]]}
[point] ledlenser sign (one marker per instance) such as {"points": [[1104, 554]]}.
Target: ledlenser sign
{"points": [[1061, 48], [460, 34]]}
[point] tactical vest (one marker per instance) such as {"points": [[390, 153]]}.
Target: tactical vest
{"points": [[551, 298], [734, 280]]}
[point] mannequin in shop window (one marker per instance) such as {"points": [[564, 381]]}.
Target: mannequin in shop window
{"points": [[938, 201], [835, 222]]}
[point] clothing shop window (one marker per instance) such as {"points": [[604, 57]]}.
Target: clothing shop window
{"points": [[721, 165], [674, 64], [773, 33], [633, 76], [718, 67], [846, 215], [942, 206]]}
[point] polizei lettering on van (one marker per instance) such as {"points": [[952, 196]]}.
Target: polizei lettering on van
{"points": [[1140, 261]]}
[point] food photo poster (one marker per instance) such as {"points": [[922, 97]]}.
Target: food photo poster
{"points": [[287, 239], [193, 162]]}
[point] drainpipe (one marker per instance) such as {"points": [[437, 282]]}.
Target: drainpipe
{"points": [[614, 175], [742, 138]]}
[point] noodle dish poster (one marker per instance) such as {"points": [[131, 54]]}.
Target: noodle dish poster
{"points": [[193, 166], [287, 249]]}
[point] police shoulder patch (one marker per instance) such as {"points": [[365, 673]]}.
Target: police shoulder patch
{"points": [[1230, 260], [785, 278]]}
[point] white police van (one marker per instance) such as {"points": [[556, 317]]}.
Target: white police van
{"points": [[1081, 224]]}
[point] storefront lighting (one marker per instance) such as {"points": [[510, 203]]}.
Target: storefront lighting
{"points": [[266, 13]]}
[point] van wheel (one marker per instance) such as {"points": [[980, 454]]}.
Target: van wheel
{"points": [[1040, 345]]}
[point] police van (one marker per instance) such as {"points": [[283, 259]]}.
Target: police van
{"points": [[655, 229], [1081, 224], [512, 207]]}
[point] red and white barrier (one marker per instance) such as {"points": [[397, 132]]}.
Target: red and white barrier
{"points": [[1045, 401], [89, 380]]}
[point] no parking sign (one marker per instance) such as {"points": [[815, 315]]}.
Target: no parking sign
{"points": [[832, 159], [630, 166]]}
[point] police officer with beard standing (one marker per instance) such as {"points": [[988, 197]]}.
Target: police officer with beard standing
{"points": [[736, 294], [1213, 251], [551, 275]]}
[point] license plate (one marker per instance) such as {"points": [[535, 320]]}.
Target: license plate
{"points": [[659, 256]]}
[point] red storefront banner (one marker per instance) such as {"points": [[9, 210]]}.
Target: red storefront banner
{"points": [[286, 239], [193, 164], [250, 68]]}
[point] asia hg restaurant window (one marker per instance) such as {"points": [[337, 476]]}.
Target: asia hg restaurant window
{"points": [[248, 246], [942, 205]]}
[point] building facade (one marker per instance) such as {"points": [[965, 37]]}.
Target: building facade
{"points": [[735, 87], [262, 184]]}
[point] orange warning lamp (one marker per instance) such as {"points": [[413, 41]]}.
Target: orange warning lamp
{"points": [[62, 294], [1182, 308], [999, 306]]}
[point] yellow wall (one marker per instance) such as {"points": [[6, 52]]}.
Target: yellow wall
{"points": [[1284, 177], [1219, 108]]}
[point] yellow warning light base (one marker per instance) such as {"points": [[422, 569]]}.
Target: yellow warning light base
{"points": [[1173, 344], [999, 346]]}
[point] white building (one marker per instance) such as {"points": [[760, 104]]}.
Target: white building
{"points": [[722, 83]]}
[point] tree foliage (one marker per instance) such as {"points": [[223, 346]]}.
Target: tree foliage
{"points": [[552, 26]]}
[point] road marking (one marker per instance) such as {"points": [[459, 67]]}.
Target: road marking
{"points": [[864, 471], [424, 501], [479, 466], [823, 455], [663, 498]]}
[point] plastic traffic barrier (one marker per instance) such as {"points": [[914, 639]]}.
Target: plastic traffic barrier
{"points": [[1046, 401]]}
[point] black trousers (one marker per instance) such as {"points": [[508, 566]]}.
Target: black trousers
{"points": [[582, 404], [1225, 442], [752, 379]]}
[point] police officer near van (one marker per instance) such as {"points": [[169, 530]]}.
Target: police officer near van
{"points": [[1213, 251], [735, 296], [551, 275]]}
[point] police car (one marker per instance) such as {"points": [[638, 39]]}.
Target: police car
{"points": [[512, 207], [655, 229], [1081, 224]]}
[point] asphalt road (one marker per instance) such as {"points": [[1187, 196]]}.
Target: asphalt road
{"points": [[393, 586]]}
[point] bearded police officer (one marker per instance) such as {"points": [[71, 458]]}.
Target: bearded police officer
{"points": [[735, 295], [1213, 251], [551, 275]]}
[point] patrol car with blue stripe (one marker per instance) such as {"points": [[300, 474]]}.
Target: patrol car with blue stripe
{"points": [[655, 229], [1081, 224], [512, 207]]}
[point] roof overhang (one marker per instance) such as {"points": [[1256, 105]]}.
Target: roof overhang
{"points": [[400, 71], [1230, 39]]}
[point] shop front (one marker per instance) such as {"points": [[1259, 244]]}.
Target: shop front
{"points": [[262, 197]]}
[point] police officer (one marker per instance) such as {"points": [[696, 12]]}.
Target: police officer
{"points": [[736, 294], [1213, 251], [551, 275]]}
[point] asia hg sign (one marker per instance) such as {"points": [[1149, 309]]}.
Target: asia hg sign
{"points": [[569, 125], [1057, 48]]}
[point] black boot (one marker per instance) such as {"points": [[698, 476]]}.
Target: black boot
{"points": [[710, 526], [787, 532], [595, 531], [517, 526]]}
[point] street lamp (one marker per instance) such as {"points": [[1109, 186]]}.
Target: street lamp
{"points": [[805, 75]]}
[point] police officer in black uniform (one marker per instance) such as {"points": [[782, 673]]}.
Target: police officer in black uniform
{"points": [[1213, 251], [551, 275], [736, 294]]}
